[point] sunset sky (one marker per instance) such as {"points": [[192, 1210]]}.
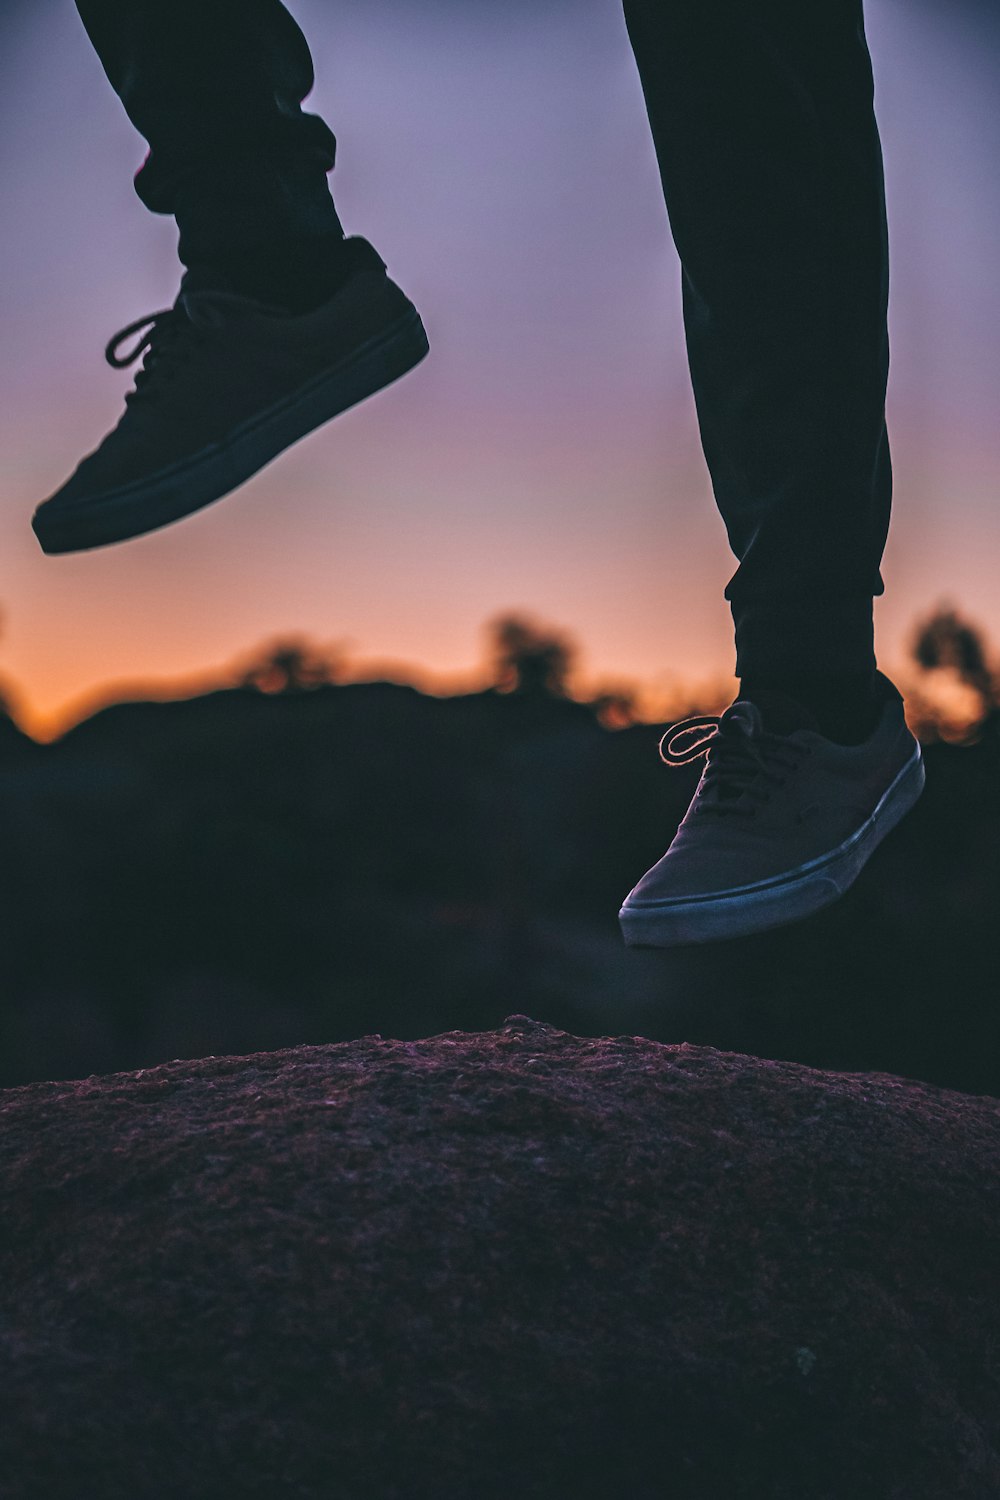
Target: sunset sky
{"points": [[546, 457]]}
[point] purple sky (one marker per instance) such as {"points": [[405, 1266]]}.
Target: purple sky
{"points": [[546, 457]]}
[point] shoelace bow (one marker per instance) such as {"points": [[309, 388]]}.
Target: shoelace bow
{"points": [[737, 761], [168, 336]]}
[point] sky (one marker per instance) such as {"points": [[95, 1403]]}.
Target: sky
{"points": [[546, 457]]}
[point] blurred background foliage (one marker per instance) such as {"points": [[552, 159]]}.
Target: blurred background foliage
{"points": [[296, 857]]}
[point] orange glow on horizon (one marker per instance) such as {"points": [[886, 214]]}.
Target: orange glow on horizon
{"points": [[650, 703], [546, 458]]}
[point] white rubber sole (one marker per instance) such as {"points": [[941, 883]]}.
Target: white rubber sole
{"points": [[785, 898]]}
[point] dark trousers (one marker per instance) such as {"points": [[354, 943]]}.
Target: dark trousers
{"points": [[762, 118], [216, 88]]}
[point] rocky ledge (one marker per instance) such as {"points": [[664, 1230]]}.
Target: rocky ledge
{"points": [[519, 1263]]}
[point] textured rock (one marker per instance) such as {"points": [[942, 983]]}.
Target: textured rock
{"points": [[516, 1264]]}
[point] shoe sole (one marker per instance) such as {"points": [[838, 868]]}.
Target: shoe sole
{"points": [[204, 477], [786, 898]]}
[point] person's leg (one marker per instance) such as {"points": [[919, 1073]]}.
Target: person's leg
{"points": [[280, 323], [769, 154], [762, 117], [215, 87]]}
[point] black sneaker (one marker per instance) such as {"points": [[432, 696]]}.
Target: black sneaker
{"points": [[779, 826], [227, 384]]}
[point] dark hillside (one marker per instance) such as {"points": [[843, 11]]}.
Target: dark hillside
{"points": [[248, 870], [477, 1266]]}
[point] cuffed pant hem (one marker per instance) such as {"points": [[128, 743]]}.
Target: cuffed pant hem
{"points": [[794, 638]]}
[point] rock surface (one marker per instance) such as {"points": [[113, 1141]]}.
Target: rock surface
{"points": [[514, 1264]]}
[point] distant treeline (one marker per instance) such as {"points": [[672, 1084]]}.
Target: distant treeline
{"points": [[300, 859]]}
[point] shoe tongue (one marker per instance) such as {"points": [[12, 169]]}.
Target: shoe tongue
{"points": [[206, 282], [198, 279], [774, 712], [766, 713]]}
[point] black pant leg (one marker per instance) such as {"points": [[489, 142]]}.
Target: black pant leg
{"points": [[762, 116], [216, 88]]}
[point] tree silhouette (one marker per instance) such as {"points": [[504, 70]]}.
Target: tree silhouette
{"points": [[292, 665], [529, 658], [945, 641]]}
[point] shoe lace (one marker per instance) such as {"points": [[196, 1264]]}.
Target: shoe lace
{"points": [[737, 762], [167, 339]]}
